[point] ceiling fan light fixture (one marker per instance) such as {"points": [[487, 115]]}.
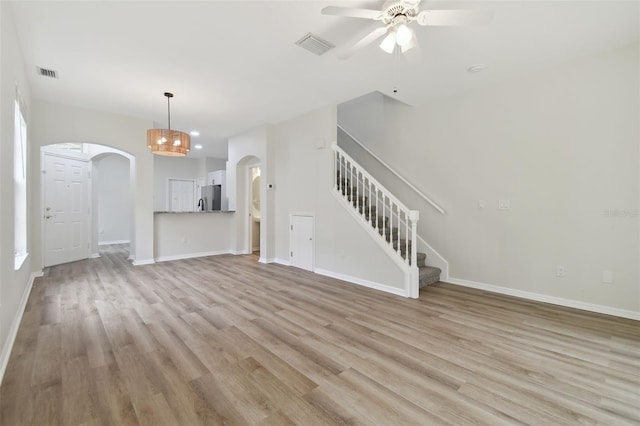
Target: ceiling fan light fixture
{"points": [[410, 45], [157, 138], [403, 35], [389, 42]]}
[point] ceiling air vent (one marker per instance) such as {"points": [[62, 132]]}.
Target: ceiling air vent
{"points": [[314, 44], [47, 73]]}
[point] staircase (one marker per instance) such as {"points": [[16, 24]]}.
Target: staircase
{"points": [[393, 223]]}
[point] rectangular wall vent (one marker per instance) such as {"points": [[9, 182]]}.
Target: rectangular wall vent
{"points": [[47, 73], [314, 44]]}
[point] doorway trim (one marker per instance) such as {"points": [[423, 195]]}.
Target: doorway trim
{"points": [[251, 208]]}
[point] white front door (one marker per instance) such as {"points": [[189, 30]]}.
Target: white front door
{"points": [[66, 210], [302, 242]]}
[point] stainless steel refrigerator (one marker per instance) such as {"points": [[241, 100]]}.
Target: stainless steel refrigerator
{"points": [[212, 196]]}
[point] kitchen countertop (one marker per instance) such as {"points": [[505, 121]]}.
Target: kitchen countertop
{"points": [[209, 211]]}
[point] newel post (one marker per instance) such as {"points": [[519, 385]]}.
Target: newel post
{"points": [[414, 216]]}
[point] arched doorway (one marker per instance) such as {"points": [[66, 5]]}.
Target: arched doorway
{"points": [[76, 201], [249, 205]]}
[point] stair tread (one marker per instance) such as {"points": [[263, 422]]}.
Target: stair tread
{"points": [[428, 275], [427, 271]]}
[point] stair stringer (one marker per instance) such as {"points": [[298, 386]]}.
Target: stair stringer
{"points": [[410, 276]]}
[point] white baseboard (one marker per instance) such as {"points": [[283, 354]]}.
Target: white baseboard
{"points": [[15, 325], [265, 260], [107, 243], [284, 262], [362, 282], [192, 255], [136, 262], [569, 303], [94, 255]]}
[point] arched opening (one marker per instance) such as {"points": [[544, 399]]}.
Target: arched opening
{"points": [[249, 189], [87, 200]]}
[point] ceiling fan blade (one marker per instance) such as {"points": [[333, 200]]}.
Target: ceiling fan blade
{"points": [[352, 12], [411, 3], [454, 17], [365, 41]]}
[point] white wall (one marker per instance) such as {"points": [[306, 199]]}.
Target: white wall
{"points": [[304, 164], [111, 184], [563, 146], [214, 164], [365, 116], [62, 123], [171, 167], [254, 147], [14, 285], [184, 235], [210, 164]]}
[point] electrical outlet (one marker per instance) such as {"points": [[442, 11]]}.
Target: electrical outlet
{"points": [[560, 271], [607, 277]]}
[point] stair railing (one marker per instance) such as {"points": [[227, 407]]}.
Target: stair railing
{"points": [[392, 170], [380, 209]]}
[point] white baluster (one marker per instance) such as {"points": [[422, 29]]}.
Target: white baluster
{"points": [[369, 186], [384, 214], [342, 169], [358, 203], [351, 183], [414, 216], [336, 167], [407, 253]]}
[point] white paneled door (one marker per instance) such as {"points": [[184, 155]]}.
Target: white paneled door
{"points": [[302, 241], [181, 195], [66, 210]]}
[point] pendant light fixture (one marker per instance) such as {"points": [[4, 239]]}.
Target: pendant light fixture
{"points": [[171, 143]]}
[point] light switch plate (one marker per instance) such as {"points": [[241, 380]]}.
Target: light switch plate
{"points": [[504, 204]]}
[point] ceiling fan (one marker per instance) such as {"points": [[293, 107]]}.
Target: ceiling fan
{"points": [[395, 18]]}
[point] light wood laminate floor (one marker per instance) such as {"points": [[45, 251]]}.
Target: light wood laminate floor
{"points": [[227, 340]]}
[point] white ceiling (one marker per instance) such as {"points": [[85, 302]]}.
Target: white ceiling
{"points": [[233, 65]]}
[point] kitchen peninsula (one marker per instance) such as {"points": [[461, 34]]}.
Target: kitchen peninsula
{"points": [[182, 235]]}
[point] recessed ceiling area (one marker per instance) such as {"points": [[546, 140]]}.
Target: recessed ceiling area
{"points": [[234, 65]]}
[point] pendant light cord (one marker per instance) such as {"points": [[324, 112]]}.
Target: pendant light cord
{"points": [[169, 96], [169, 111]]}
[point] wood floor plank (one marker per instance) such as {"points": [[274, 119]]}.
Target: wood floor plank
{"points": [[226, 340]]}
